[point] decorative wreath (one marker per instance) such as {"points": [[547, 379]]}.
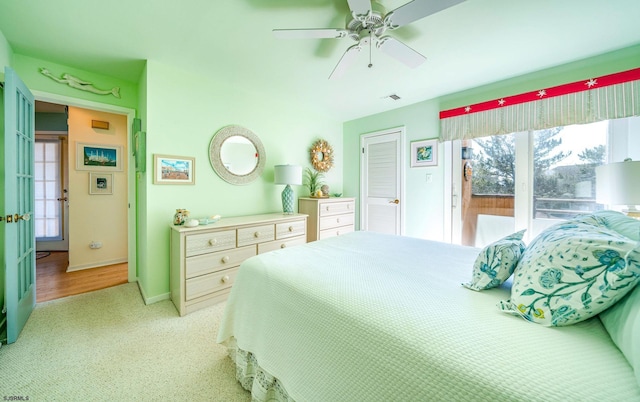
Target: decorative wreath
{"points": [[321, 156]]}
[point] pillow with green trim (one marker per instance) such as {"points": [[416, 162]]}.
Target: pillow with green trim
{"points": [[496, 262], [571, 272]]}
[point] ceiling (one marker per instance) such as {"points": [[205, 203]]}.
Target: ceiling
{"points": [[471, 44]]}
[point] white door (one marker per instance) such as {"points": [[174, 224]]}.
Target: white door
{"points": [[51, 201], [382, 181]]}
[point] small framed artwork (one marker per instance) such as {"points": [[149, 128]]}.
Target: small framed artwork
{"points": [[100, 183], [98, 157], [174, 169], [424, 153]]}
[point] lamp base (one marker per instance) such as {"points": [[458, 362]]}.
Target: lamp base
{"points": [[287, 200]]}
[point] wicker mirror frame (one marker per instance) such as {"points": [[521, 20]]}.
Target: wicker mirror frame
{"points": [[216, 161]]}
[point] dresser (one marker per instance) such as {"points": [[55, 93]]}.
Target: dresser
{"points": [[328, 217], [205, 259]]}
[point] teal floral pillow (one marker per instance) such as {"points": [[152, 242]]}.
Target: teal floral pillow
{"points": [[496, 262], [571, 272]]}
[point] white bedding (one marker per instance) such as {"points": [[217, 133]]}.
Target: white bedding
{"points": [[370, 317]]}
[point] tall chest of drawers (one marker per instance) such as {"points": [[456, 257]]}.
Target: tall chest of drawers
{"points": [[328, 217], [205, 259]]}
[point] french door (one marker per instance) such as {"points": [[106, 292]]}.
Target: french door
{"points": [[19, 237], [527, 180], [51, 195]]}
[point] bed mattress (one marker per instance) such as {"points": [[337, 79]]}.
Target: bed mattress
{"points": [[371, 317]]}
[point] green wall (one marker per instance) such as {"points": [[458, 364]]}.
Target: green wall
{"points": [[183, 112], [28, 68], [5, 54], [424, 202]]}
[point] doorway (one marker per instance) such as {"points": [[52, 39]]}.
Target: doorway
{"points": [[67, 266], [382, 182]]}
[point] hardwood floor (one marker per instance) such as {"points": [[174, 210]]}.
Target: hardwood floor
{"points": [[53, 281]]}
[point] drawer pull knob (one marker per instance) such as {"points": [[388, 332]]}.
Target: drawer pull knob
{"points": [[283, 245], [224, 279], [290, 228], [337, 233], [213, 242], [337, 220], [256, 234], [225, 259]]}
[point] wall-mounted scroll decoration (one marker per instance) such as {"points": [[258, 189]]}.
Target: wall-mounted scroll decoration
{"points": [[321, 156], [75, 82]]}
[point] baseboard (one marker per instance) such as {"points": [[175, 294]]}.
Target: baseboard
{"points": [[96, 265], [154, 299]]}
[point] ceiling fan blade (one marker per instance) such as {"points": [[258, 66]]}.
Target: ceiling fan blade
{"points": [[309, 33], [416, 10], [346, 61], [359, 7], [400, 51]]}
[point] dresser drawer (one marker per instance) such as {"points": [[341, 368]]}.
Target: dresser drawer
{"points": [[256, 234], [210, 283], [335, 221], [291, 229], [280, 244], [209, 242], [333, 208], [324, 234], [206, 263]]}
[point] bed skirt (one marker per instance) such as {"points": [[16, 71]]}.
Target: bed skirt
{"points": [[262, 385]]}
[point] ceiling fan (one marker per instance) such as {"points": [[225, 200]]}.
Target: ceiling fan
{"points": [[367, 25]]}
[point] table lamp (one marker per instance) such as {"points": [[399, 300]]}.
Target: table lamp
{"points": [[289, 175], [617, 184]]}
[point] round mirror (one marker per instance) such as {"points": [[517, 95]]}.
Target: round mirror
{"points": [[237, 155]]}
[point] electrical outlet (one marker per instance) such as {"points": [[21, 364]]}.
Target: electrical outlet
{"points": [[429, 178], [95, 244]]}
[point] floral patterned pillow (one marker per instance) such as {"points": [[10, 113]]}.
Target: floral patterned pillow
{"points": [[496, 262], [571, 272]]}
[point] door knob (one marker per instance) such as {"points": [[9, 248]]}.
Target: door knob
{"points": [[24, 217], [396, 201], [63, 199]]}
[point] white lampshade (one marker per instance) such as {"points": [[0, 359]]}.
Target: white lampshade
{"points": [[617, 183], [288, 174]]}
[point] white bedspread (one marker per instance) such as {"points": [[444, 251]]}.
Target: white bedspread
{"points": [[371, 317]]}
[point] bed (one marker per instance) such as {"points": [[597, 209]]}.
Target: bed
{"points": [[372, 317]]}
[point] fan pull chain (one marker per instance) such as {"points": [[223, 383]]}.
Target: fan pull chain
{"points": [[370, 42]]}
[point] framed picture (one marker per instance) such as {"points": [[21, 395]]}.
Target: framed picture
{"points": [[424, 153], [100, 183], [98, 157], [174, 169]]}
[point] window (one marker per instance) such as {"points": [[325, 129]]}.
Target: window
{"points": [[48, 222], [535, 179]]}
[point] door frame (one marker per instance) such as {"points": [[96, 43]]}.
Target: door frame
{"points": [[401, 169], [131, 171]]}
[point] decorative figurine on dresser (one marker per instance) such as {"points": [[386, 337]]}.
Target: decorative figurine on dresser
{"points": [[205, 259]]}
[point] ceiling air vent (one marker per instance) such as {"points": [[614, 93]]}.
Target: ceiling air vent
{"points": [[393, 96]]}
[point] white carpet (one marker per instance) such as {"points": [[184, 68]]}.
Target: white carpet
{"points": [[107, 345]]}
